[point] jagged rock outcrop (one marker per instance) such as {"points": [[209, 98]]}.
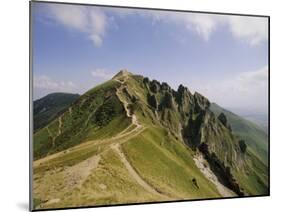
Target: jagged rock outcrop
{"points": [[222, 171], [201, 103], [243, 146], [223, 119], [167, 101], [191, 132], [184, 99], [152, 101], [155, 86], [165, 87], [199, 128], [145, 80]]}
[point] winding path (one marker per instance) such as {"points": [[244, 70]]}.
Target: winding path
{"points": [[124, 135], [125, 103], [133, 173], [70, 111], [75, 175], [60, 126]]}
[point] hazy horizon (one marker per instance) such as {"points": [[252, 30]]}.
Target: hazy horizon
{"points": [[225, 58]]}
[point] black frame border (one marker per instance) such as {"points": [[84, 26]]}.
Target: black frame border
{"points": [[141, 8]]}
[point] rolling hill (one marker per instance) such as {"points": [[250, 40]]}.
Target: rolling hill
{"points": [[49, 107], [132, 139]]}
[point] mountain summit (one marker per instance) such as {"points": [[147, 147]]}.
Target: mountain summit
{"points": [[122, 73], [133, 137]]}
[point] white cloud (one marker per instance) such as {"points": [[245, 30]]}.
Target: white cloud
{"points": [[255, 78], [252, 29], [89, 20], [244, 90], [97, 39], [94, 21], [102, 73], [202, 24], [46, 83]]}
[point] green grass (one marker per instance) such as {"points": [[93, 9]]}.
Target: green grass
{"points": [[50, 107], [255, 177], [167, 165], [113, 128], [54, 127], [157, 154], [116, 126], [97, 108], [43, 143], [102, 88], [36, 202], [69, 158], [109, 184]]}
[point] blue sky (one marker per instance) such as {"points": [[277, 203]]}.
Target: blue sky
{"points": [[223, 57]]}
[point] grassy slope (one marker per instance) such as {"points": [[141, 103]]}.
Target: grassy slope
{"points": [[167, 164], [255, 181], [254, 136], [109, 184], [80, 124], [49, 107], [255, 177], [162, 161]]}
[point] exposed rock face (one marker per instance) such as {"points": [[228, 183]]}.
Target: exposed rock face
{"points": [[201, 103], [152, 101], [168, 101], [199, 128], [154, 86], [191, 132], [184, 99], [145, 80], [223, 119], [165, 87], [242, 146], [222, 171]]}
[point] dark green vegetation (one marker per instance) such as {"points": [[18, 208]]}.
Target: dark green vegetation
{"points": [[49, 107], [132, 139]]}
